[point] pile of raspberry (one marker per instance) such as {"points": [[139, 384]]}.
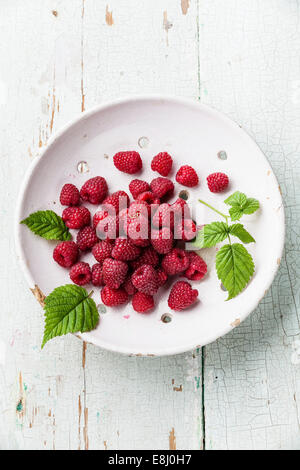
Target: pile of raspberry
{"points": [[138, 245]]}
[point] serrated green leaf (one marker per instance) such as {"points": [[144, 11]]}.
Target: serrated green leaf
{"points": [[210, 235], [235, 213], [236, 199], [47, 225], [69, 309], [239, 231], [234, 267], [251, 206], [240, 205]]}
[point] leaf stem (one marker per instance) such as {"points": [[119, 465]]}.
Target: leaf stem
{"points": [[214, 209], [90, 294]]}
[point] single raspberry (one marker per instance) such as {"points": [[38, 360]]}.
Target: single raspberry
{"points": [[137, 187], [149, 256], [102, 250], [187, 176], [114, 272], [142, 303], [162, 163], [66, 254], [113, 297], [76, 217], [128, 162], [97, 276], [182, 296], [185, 231], [145, 279], [137, 209], [107, 228], [98, 216], [94, 190], [118, 200], [81, 274], [138, 230], [175, 262], [197, 268], [86, 238], [129, 287], [69, 195], [162, 240], [181, 209], [162, 276], [149, 197], [163, 217], [162, 187], [217, 182], [125, 250]]}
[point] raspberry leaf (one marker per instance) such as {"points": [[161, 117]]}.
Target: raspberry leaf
{"points": [[69, 309], [210, 235], [239, 231], [47, 225], [240, 205], [234, 267]]}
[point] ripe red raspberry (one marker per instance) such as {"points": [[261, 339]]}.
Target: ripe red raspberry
{"points": [[81, 274], [145, 279], [118, 200], [129, 287], [163, 217], [125, 250], [137, 187], [185, 231], [182, 296], [107, 226], [149, 256], [97, 276], [128, 162], [69, 195], [187, 176], [114, 272], [162, 240], [162, 163], [113, 297], [102, 250], [98, 216], [181, 209], [94, 190], [175, 262], [86, 238], [137, 209], [162, 276], [138, 230], [197, 268], [66, 254], [76, 217], [149, 197], [142, 303], [217, 182], [162, 187]]}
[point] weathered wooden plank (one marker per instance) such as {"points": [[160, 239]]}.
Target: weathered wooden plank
{"points": [[250, 70]]}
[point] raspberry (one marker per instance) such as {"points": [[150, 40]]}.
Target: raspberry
{"points": [[162, 163], [137, 209], [162, 187], [149, 256], [81, 274], [97, 276], [175, 262], [142, 303], [163, 217], [197, 268], [125, 250], [98, 216], [69, 195], [129, 287], [187, 176], [113, 297], [162, 240], [119, 200], [145, 279], [182, 295], [114, 272], [102, 250], [149, 197], [137, 187], [217, 182], [94, 190], [186, 231], [128, 162], [107, 227], [162, 276], [76, 217], [86, 238], [181, 209], [138, 231], [66, 254]]}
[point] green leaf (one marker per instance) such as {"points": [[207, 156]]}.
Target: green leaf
{"points": [[211, 234], [240, 205], [69, 309], [234, 267], [239, 231], [47, 225]]}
